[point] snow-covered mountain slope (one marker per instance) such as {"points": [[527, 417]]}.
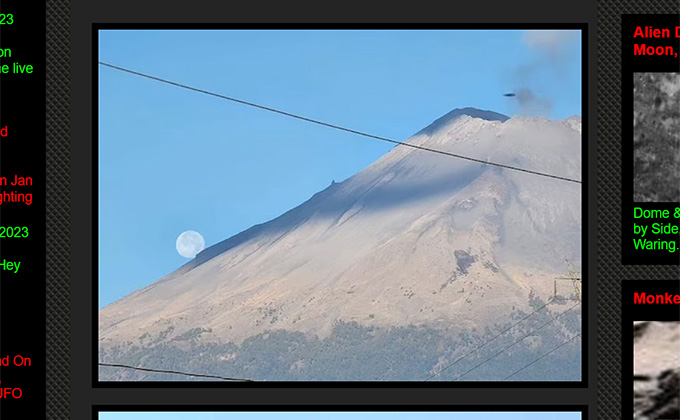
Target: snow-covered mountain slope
{"points": [[417, 238]]}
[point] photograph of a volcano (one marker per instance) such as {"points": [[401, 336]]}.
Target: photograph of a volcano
{"points": [[266, 212]]}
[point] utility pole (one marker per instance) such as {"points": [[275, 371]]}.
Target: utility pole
{"points": [[575, 278]]}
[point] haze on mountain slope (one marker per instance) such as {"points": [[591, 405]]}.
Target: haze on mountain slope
{"points": [[418, 246]]}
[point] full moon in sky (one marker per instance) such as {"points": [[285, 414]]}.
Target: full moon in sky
{"points": [[189, 244]]}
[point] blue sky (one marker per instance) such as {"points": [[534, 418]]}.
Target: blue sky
{"points": [[173, 160], [342, 416]]}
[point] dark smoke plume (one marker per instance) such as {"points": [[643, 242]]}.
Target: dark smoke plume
{"points": [[532, 104]]}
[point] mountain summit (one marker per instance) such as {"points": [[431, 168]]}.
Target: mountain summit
{"points": [[459, 112], [418, 251]]}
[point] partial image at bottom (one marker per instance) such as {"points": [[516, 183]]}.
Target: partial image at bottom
{"points": [[347, 415]]}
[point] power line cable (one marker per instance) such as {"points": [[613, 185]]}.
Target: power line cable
{"points": [[548, 353], [175, 372], [490, 340], [511, 345], [333, 126]]}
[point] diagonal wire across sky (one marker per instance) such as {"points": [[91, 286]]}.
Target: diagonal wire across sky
{"points": [[333, 126]]}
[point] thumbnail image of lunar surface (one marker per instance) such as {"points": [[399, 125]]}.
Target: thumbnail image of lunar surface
{"points": [[656, 359]]}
